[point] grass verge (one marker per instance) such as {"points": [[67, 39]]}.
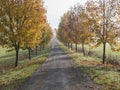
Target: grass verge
{"points": [[11, 78], [112, 57], [107, 75]]}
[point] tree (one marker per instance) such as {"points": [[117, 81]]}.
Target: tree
{"points": [[18, 18], [83, 22], [73, 24], [46, 34], [103, 13], [79, 24], [65, 29]]}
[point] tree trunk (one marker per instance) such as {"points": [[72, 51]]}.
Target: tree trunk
{"points": [[104, 53], [71, 46], [65, 43], [83, 49], [104, 34], [43, 46], [68, 45], [40, 48], [36, 50], [17, 54], [29, 51], [76, 47]]}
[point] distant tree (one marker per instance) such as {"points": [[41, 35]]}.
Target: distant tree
{"points": [[73, 24], [82, 24], [46, 35], [63, 29]]}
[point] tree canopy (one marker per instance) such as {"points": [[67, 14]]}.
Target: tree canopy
{"points": [[95, 23], [21, 24]]}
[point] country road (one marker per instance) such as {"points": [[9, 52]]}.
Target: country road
{"points": [[59, 72]]}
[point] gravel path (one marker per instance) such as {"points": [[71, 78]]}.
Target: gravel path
{"points": [[59, 73]]}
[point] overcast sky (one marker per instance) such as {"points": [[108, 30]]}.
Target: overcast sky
{"points": [[56, 8]]}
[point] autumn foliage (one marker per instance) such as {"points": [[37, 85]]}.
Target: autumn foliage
{"points": [[95, 23], [22, 24]]}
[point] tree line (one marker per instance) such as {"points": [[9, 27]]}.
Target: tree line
{"points": [[23, 25], [95, 23]]}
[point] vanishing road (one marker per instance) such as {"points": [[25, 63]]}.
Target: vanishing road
{"points": [[59, 72]]}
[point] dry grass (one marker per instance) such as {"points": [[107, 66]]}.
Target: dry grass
{"points": [[107, 75], [11, 78]]}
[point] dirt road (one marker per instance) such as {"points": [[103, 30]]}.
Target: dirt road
{"points": [[59, 73]]}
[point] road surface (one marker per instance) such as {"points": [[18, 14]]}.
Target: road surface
{"points": [[59, 72]]}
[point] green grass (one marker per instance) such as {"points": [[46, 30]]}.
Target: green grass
{"points": [[100, 50], [11, 78], [8, 57], [111, 56], [107, 75]]}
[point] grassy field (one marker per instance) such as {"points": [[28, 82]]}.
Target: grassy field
{"points": [[7, 58], [107, 75], [112, 57], [11, 78]]}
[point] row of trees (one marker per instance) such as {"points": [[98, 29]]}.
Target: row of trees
{"points": [[23, 25], [96, 23]]}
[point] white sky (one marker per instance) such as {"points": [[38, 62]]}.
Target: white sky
{"points": [[56, 8]]}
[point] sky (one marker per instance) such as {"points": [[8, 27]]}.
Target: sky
{"points": [[56, 9]]}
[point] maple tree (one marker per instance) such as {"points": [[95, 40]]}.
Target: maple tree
{"points": [[95, 23], [64, 29], [67, 29], [75, 26], [103, 12], [20, 23], [82, 24], [46, 34], [117, 26]]}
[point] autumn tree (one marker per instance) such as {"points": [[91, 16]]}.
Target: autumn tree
{"points": [[19, 18], [46, 35], [65, 30], [75, 26], [117, 25], [82, 24], [61, 30], [103, 13]]}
